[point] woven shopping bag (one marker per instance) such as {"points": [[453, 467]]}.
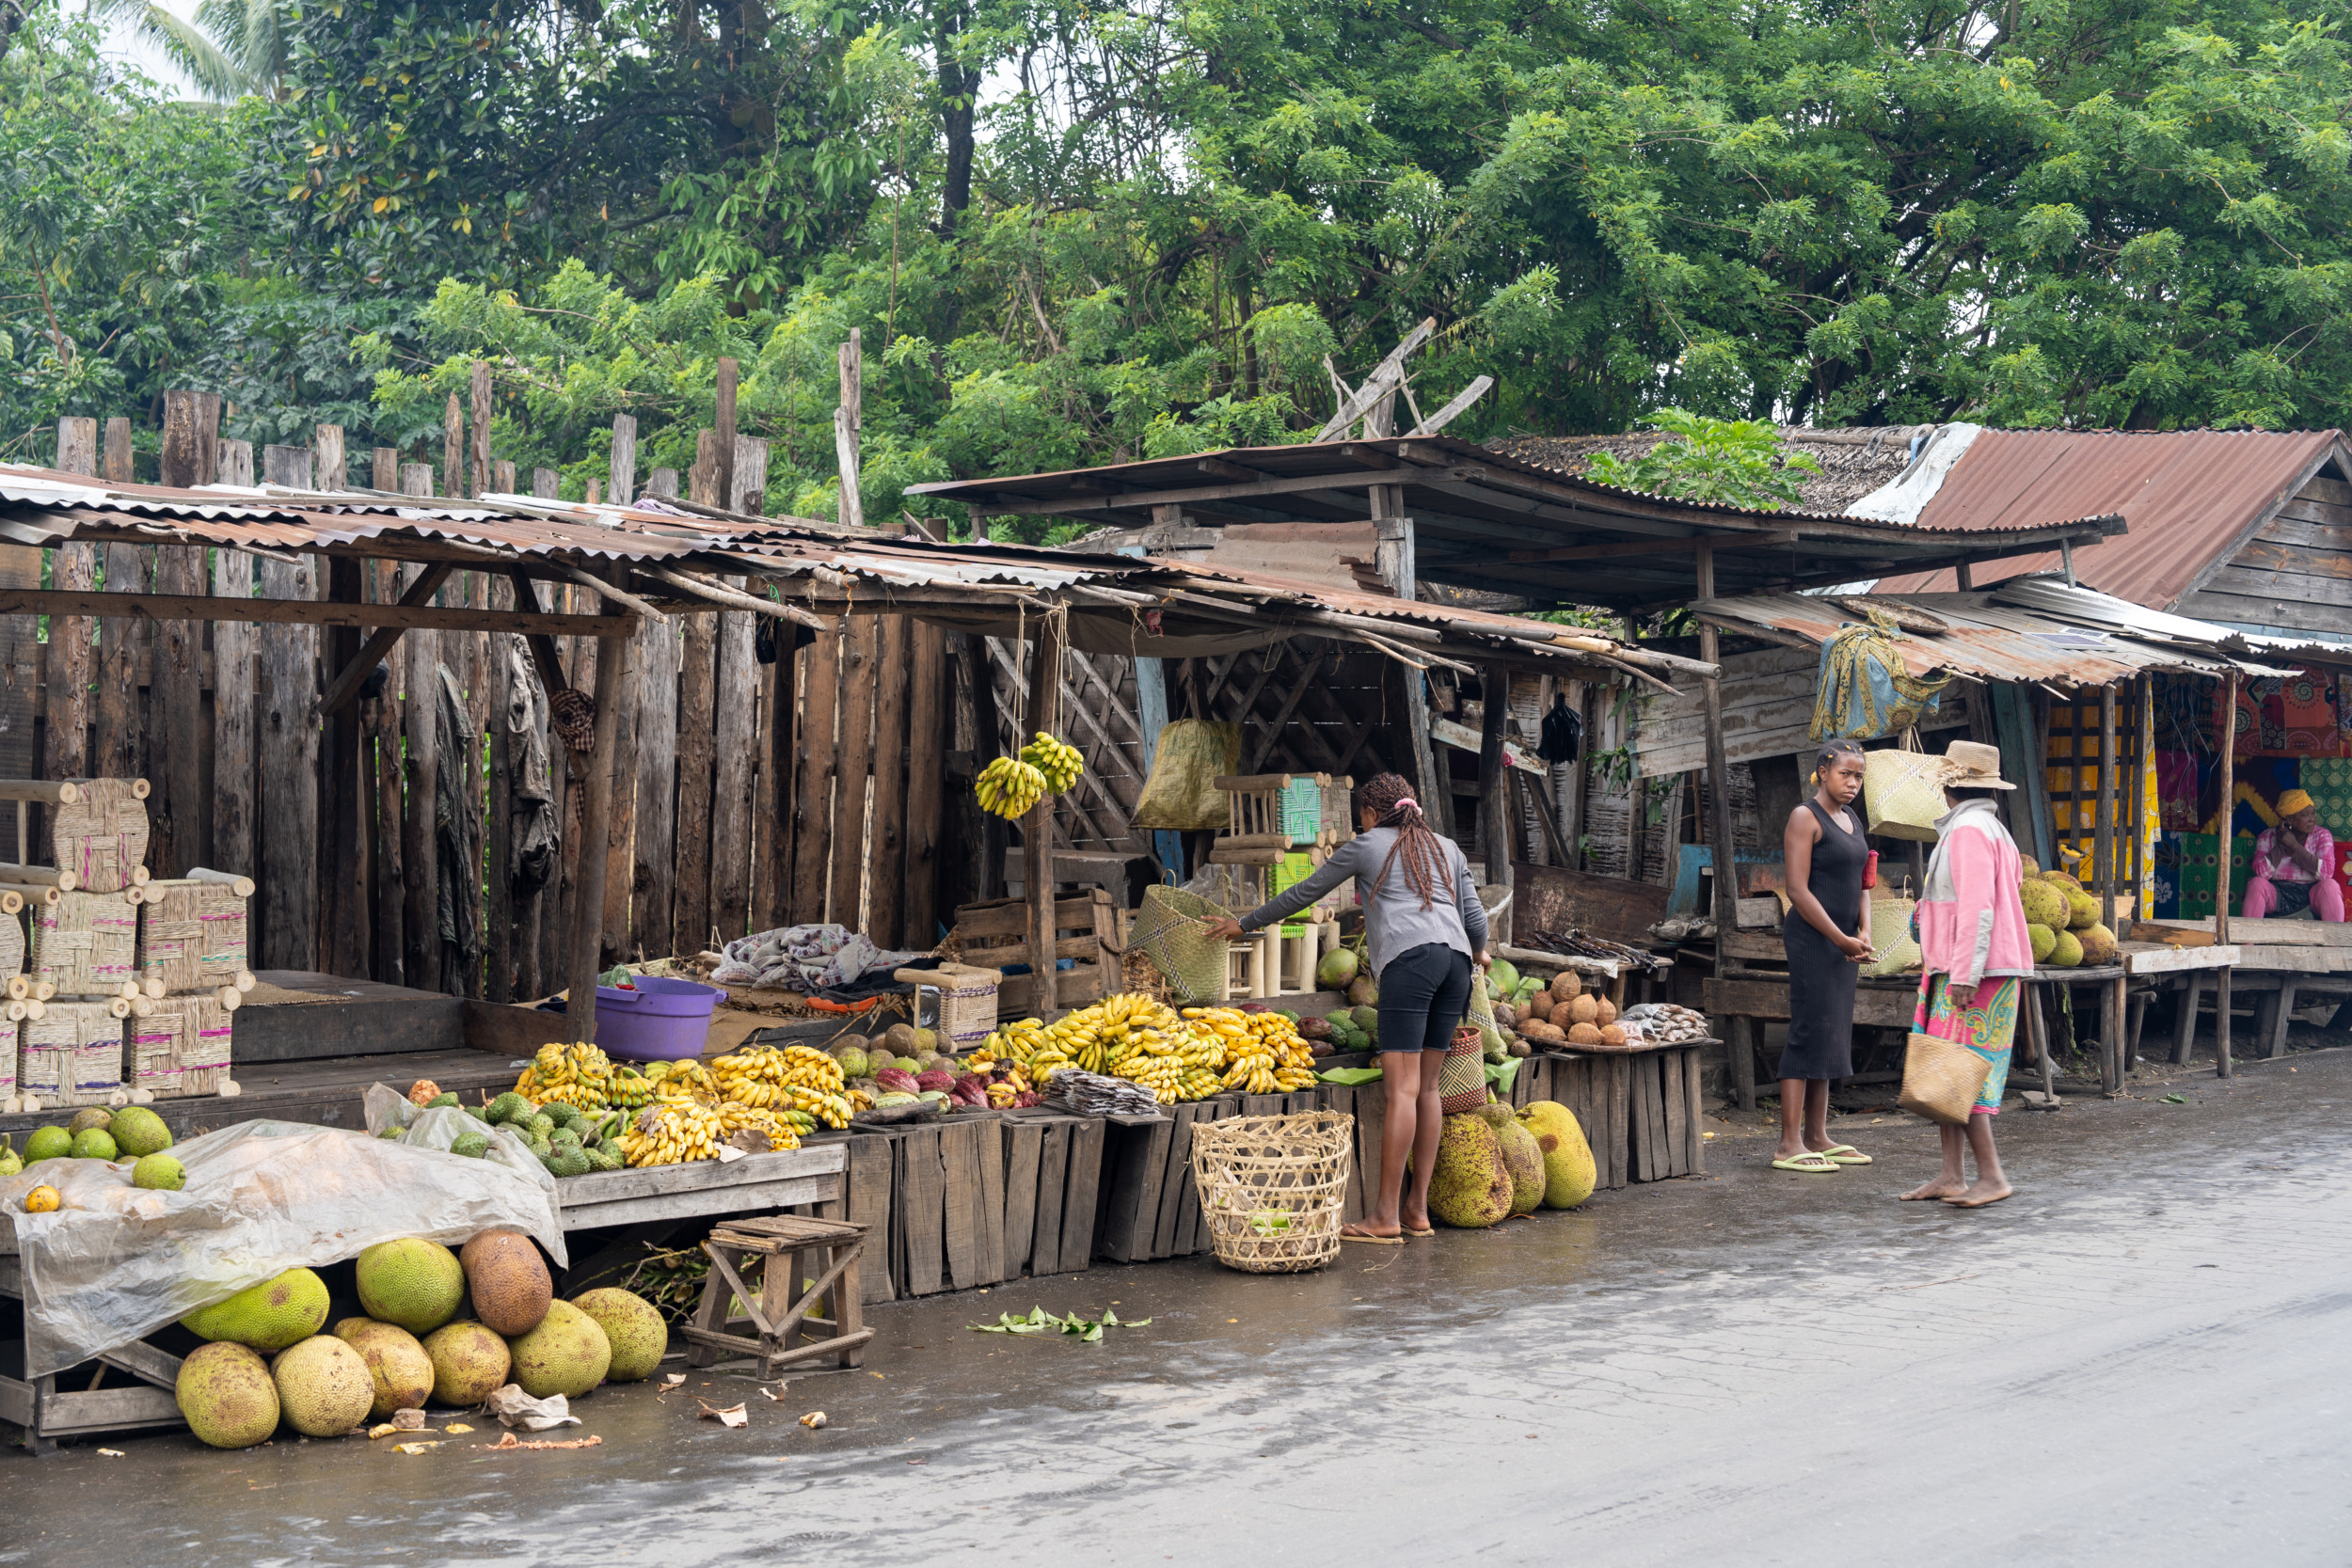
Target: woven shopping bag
{"points": [[1462, 1076], [1167, 930], [1941, 1079], [1903, 791], [1894, 950]]}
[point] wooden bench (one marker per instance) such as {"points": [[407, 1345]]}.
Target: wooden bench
{"points": [[807, 1264]]}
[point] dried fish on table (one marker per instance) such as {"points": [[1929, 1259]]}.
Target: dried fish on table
{"points": [[1090, 1094]]}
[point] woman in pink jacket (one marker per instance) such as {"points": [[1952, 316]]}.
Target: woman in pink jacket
{"points": [[1972, 942]]}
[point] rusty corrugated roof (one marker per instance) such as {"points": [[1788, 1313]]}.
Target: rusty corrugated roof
{"points": [[2189, 496], [1990, 640]]}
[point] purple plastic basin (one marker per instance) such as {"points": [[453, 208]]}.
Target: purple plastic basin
{"points": [[661, 1020]]}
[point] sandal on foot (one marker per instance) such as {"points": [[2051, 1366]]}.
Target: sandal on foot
{"points": [[1844, 1154], [1357, 1233], [1807, 1163], [1422, 1235]]}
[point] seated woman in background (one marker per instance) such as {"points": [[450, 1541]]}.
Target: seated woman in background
{"points": [[2294, 866]]}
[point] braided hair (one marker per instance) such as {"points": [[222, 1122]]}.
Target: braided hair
{"points": [[1425, 864], [1831, 751]]}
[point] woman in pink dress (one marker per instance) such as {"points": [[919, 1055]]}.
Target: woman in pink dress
{"points": [[2294, 866]]}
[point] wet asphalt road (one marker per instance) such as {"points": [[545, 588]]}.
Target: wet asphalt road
{"points": [[2142, 1357]]}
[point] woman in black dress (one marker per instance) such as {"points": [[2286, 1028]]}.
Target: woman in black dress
{"points": [[1824, 851]]}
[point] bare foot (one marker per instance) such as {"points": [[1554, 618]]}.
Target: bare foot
{"points": [[1981, 1194], [1943, 1186]]}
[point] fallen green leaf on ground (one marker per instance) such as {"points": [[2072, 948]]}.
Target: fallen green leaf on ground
{"points": [[1039, 1321]]}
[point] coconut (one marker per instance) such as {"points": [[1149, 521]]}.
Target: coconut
{"points": [[1604, 1010], [1612, 1034], [1565, 984], [1584, 1034], [1585, 1009]]}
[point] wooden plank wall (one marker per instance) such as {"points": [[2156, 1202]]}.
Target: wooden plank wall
{"points": [[764, 792]]}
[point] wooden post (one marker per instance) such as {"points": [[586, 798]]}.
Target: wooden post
{"points": [[117, 450], [497, 880], [723, 417], [654, 878], [854, 753], [190, 457], [420, 915], [478, 394], [68, 673], [289, 743], [927, 747], [379, 770], [735, 715], [1719, 800], [816, 761], [887, 884], [1494, 808], [546, 485], [453, 447], [697, 707], [1037, 828], [2222, 879], [622, 467], [2103, 841], [383, 470], [235, 778], [236, 463], [329, 468], [346, 906], [848, 425], [606, 765]]}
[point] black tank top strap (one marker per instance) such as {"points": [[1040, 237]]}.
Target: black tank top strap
{"points": [[1826, 820]]}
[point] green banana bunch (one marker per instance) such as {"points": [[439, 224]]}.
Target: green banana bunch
{"points": [[1056, 759], [1010, 787]]}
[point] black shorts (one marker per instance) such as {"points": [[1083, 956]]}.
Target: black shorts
{"points": [[1424, 994]]}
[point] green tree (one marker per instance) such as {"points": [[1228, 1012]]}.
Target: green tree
{"points": [[1737, 462]]}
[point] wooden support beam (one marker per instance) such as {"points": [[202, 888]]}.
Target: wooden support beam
{"points": [[1379, 386], [623, 468], [1650, 547], [305, 612], [1497, 826], [2221, 891], [1455, 409], [1726, 867], [849, 424], [723, 436], [346, 686], [605, 762], [734, 598], [1037, 828]]}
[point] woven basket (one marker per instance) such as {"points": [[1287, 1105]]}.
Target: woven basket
{"points": [[192, 937], [1890, 937], [1902, 793], [1167, 931], [1940, 1080], [87, 945], [72, 1054], [967, 1002], [179, 1049], [1272, 1188], [11, 946], [1462, 1076], [102, 838]]}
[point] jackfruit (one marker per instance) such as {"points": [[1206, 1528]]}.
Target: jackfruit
{"points": [[2045, 942], [2098, 944], [2066, 950], [397, 1364], [469, 1363], [324, 1387], [1521, 1157], [633, 1328], [140, 1132], [2082, 910], [1471, 1187], [2044, 905], [412, 1282], [227, 1395], [1569, 1172], [568, 1353], [508, 1280], [267, 1316]]}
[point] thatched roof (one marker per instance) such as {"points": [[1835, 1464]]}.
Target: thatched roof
{"points": [[1854, 461]]}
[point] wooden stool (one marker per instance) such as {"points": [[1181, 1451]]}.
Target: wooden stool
{"points": [[782, 1308]]}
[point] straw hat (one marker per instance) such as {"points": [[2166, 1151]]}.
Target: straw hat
{"points": [[1973, 765]]}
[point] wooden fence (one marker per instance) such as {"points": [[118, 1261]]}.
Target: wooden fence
{"points": [[767, 790]]}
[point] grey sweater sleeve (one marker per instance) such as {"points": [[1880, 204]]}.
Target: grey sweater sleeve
{"points": [[1345, 861], [1473, 911]]}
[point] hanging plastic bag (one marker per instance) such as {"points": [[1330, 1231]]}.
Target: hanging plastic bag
{"points": [[1182, 794]]}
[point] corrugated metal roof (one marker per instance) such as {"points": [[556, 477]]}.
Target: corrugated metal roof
{"points": [[1986, 638], [2188, 497]]}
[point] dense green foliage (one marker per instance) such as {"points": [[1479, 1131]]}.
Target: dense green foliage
{"points": [[1071, 235], [1737, 462]]}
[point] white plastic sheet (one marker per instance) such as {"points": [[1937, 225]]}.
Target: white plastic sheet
{"points": [[117, 1262]]}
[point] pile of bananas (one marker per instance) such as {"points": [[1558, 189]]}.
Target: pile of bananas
{"points": [[1263, 1052], [1093, 1040], [1055, 758], [682, 1081], [782, 1132], [796, 1078], [577, 1074], [673, 1132], [1010, 787]]}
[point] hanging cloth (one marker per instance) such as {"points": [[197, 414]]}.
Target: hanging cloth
{"points": [[1563, 734], [1865, 692]]}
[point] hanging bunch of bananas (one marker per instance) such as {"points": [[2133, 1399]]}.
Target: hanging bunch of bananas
{"points": [[577, 1074], [1263, 1052], [1055, 758], [673, 1132], [795, 1078], [735, 1118], [1010, 787]]}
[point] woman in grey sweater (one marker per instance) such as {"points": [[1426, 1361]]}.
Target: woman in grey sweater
{"points": [[1424, 929]]}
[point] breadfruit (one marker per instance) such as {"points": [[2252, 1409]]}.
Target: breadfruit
{"points": [[469, 1363], [48, 1143], [227, 1395], [1565, 984], [633, 1328], [2066, 950], [94, 1143], [2045, 942], [2061, 880], [2045, 904], [397, 1364], [140, 1132], [159, 1173], [267, 1316], [1471, 1187], [568, 1353], [1521, 1157], [412, 1282], [95, 1115], [324, 1387], [2030, 866], [1585, 1009], [509, 1281], [2098, 944], [2082, 910], [1568, 1169], [1584, 1034]]}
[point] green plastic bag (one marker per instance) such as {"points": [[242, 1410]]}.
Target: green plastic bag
{"points": [[1182, 794]]}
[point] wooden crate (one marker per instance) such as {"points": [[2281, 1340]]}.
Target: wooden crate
{"points": [[1052, 1186], [1086, 931], [947, 1205]]}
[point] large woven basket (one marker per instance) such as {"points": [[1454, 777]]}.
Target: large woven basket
{"points": [[1272, 1188], [1167, 931]]}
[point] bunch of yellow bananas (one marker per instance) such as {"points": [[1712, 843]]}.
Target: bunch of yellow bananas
{"points": [[1055, 758], [575, 1074], [1161, 1074], [682, 1081], [734, 1117], [673, 1132], [1264, 1053], [1010, 787], [766, 1076], [1093, 1040]]}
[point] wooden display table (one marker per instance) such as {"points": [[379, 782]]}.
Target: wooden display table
{"points": [[756, 1182]]}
